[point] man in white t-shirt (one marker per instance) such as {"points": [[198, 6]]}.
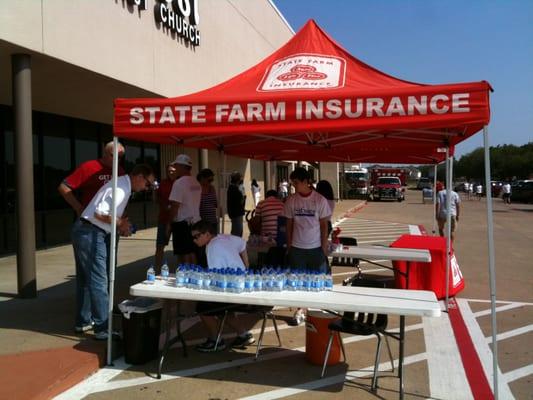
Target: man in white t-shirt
{"points": [[223, 251], [184, 210], [441, 212], [506, 193], [91, 236], [307, 213]]}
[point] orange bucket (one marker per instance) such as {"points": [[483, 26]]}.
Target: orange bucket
{"points": [[317, 336]]}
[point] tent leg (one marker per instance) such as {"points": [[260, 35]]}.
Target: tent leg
{"points": [[434, 199], [449, 161], [112, 256], [492, 268]]}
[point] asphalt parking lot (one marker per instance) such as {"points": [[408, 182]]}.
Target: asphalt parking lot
{"points": [[283, 372]]}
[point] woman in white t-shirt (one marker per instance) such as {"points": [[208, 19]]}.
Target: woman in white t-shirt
{"points": [[223, 251]]}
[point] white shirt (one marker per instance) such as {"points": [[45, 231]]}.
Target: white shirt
{"points": [[187, 191], [102, 202], [284, 187], [506, 188], [479, 189], [306, 213], [441, 200], [223, 251]]}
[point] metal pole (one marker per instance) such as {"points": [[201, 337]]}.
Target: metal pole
{"points": [[434, 198], [204, 158], [268, 176], [112, 256], [492, 267], [26, 275], [448, 223], [222, 201]]}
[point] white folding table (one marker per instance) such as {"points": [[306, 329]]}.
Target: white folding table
{"points": [[343, 298], [367, 253]]}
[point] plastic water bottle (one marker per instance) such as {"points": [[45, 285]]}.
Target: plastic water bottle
{"points": [[258, 281], [199, 278], [299, 279], [328, 282], [292, 281], [207, 276], [150, 275], [249, 281], [306, 278], [316, 284], [164, 271], [180, 276], [223, 281], [239, 281], [279, 280]]}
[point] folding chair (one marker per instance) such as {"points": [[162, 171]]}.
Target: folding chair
{"points": [[347, 261], [366, 324]]}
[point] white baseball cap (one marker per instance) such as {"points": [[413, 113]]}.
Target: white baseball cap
{"points": [[183, 159]]}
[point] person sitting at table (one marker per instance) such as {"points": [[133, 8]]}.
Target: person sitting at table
{"points": [[223, 251], [268, 210]]}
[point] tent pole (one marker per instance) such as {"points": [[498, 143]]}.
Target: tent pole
{"points": [[434, 199], [448, 223], [112, 256], [492, 268], [223, 180]]}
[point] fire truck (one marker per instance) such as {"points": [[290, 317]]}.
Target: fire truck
{"points": [[380, 172]]}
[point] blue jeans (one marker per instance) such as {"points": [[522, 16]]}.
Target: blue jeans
{"points": [[236, 226], [91, 252]]}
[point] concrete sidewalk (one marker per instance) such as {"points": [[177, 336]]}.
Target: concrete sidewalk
{"points": [[40, 356]]}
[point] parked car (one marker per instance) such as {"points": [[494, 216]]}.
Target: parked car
{"points": [[522, 192], [389, 187], [423, 183]]}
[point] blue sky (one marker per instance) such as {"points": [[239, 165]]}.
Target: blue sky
{"points": [[431, 41]]}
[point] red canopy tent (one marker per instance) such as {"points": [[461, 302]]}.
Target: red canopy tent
{"points": [[311, 100]]}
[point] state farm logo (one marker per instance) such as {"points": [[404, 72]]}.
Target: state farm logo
{"points": [[304, 71]]}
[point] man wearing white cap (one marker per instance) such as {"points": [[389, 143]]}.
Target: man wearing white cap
{"points": [[184, 209]]}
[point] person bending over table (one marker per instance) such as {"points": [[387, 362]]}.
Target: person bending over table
{"points": [[308, 213], [223, 251]]}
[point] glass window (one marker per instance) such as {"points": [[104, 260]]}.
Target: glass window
{"points": [[85, 141], [56, 163]]}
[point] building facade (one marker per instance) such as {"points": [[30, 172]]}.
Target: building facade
{"points": [[83, 55]]}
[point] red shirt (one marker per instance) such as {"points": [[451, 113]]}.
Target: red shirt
{"points": [[162, 196], [88, 178]]}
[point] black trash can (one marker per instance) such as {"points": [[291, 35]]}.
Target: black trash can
{"points": [[141, 321]]}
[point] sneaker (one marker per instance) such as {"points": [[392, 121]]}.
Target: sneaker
{"points": [[209, 346], [297, 319], [102, 335], [242, 341], [84, 328]]}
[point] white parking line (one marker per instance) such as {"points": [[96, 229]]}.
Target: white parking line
{"points": [[98, 383], [332, 380], [498, 309], [519, 373], [447, 379], [511, 333]]}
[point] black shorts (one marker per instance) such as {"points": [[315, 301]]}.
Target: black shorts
{"points": [[182, 238]]}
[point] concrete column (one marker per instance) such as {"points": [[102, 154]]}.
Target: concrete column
{"points": [[268, 175], [203, 156], [21, 76]]}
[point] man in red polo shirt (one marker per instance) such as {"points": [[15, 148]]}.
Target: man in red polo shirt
{"points": [[78, 189], [88, 178]]}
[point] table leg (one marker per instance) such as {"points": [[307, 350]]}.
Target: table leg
{"points": [[168, 341], [400, 360]]}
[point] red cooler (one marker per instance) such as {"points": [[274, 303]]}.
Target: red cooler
{"points": [[317, 336], [428, 276]]}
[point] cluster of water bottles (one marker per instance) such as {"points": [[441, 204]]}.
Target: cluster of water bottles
{"points": [[236, 280]]}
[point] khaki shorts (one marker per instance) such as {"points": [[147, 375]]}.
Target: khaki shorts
{"points": [[442, 222]]}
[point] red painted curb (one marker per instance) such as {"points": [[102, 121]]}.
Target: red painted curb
{"points": [[472, 365], [44, 374]]}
